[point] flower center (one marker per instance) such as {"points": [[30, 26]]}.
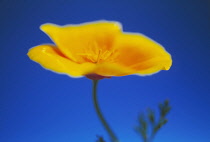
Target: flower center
{"points": [[96, 54]]}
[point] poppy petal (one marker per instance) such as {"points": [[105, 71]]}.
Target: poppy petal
{"points": [[139, 53], [82, 43], [112, 69], [51, 58]]}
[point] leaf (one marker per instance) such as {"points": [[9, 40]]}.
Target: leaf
{"points": [[150, 121], [151, 116]]}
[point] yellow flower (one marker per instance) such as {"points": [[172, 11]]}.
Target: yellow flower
{"points": [[99, 49]]}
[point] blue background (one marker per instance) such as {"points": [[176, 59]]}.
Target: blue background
{"points": [[37, 105]]}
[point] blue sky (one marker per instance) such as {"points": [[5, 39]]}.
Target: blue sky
{"points": [[40, 106]]}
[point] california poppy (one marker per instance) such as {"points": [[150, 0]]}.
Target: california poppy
{"points": [[99, 49]]}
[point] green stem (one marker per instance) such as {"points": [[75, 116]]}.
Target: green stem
{"points": [[100, 115]]}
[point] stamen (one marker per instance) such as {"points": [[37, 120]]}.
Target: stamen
{"points": [[99, 56]]}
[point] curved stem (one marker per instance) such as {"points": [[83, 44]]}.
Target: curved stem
{"points": [[100, 115]]}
